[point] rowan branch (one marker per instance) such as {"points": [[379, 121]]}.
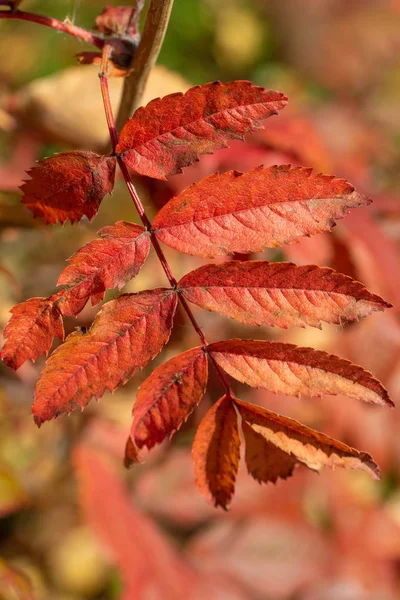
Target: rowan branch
{"points": [[145, 58]]}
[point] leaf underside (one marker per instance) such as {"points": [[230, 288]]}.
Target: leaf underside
{"points": [[172, 132], [247, 212], [293, 370], [125, 335], [300, 444], [279, 294]]}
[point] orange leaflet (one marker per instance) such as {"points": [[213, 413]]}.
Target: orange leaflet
{"points": [[216, 453], [69, 185], [125, 335], [281, 294], [294, 370], [166, 398], [103, 264], [31, 330], [302, 444], [172, 132], [246, 212]]}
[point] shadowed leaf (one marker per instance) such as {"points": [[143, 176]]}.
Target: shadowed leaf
{"points": [[31, 330], [264, 461], [294, 370], [149, 565], [69, 185], [246, 212], [125, 335], [166, 398], [281, 294], [312, 448], [216, 453], [171, 132], [103, 264]]}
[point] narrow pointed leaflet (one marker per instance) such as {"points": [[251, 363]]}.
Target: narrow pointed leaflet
{"points": [[166, 398], [294, 370], [103, 264], [216, 453], [312, 448], [281, 294], [69, 185], [247, 212], [125, 335], [172, 132], [31, 330]]}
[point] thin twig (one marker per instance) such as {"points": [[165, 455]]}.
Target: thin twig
{"points": [[65, 27], [103, 75], [145, 58]]}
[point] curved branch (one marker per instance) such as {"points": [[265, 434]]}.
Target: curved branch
{"points": [[146, 55], [78, 32]]}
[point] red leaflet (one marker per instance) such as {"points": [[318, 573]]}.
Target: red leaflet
{"points": [[281, 294], [69, 185], [31, 330], [216, 453], [312, 448], [246, 212], [103, 264], [293, 370], [166, 398], [172, 132], [125, 335], [265, 462]]}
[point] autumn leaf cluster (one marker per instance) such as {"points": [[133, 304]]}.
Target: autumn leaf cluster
{"points": [[223, 214]]}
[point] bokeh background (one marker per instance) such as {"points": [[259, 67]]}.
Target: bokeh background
{"points": [[74, 525]]}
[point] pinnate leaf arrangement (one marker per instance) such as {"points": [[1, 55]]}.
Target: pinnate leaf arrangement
{"points": [[222, 214]]}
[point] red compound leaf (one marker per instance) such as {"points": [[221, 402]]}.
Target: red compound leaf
{"points": [[69, 185], [246, 212], [300, 443], [125, 335], [166, 398], [31, 330], [281, 294], [103, 264], [172, 132], [216, 453], [294, 370]]}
